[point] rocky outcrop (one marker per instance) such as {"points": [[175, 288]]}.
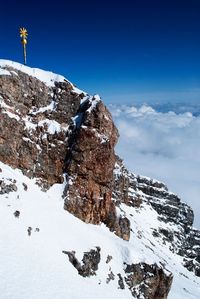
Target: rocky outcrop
{"points": [[143, 280], [148, 281], [7, 186], [40, 116], [182, 238], [90, 165], [59, 129], [90, 262]]}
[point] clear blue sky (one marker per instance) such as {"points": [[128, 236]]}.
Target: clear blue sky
{"points": [[123, 50]]}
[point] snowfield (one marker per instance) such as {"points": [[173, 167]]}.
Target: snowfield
{"points": [[34, 266]]}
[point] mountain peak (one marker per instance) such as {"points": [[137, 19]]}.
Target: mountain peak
{"points": [[46, 77], [57, 153]]}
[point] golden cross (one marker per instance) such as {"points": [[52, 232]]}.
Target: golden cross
{"points": [[24, 34]]}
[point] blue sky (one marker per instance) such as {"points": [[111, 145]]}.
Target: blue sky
{"points": [[125, 51]]}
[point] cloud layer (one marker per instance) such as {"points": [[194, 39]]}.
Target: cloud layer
{"points": [[164, 146]]}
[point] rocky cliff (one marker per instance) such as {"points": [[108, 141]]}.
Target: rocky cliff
{"points": [[55, 133], [58, 130]]}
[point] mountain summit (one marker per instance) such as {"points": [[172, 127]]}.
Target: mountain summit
{"points": [[74, 220]]}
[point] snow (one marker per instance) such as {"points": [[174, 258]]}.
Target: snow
{"points": [[3, 104], [34, 266], [28, 124], [102, 137], [14, 73], [12, 115], [94, 101], [53, 126], [49, 78], [27, 139], [50, 107], [8, 110], [4, 72], [46, 77], [78, 91]]}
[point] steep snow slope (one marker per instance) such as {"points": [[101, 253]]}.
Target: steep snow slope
{"points": [[34, 266]]}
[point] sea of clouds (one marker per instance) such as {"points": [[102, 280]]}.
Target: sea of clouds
{"points": [[162, 145]]}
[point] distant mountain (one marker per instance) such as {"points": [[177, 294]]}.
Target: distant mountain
{"points": [[74, 221]]}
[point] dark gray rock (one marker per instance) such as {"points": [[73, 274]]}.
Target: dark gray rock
{"points": [[109, 258], [89, 264], [121, 282], [111, 276], [6, 187], [17, 214], [29, 230], [148, 281]]}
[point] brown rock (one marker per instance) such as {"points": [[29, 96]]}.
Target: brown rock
{"points": [[27, 148], [91, 162]]}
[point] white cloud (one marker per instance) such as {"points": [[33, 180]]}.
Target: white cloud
{"points": [[163, 146]]}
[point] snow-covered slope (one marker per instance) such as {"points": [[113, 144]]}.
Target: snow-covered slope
{"points": [[34, 266], [44, 247], [49, 78]]}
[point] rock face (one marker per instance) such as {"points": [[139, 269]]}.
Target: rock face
{"points": [[40, 116], [182, 238], [90, 167]]}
